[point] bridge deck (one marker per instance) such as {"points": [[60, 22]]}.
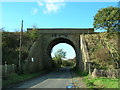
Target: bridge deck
{"points": [[64, 30]]}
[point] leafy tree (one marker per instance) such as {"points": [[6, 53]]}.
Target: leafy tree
{"points": [[59, 55], [10, 43], [33, 34], [10, 46], [107, 19], [67, 63]]}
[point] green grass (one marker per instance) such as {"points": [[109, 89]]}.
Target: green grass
{"points": [[15, 78], [101, 82], [81, 73]]}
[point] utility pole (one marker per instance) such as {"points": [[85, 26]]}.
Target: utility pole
{"points": [[20, 51]]}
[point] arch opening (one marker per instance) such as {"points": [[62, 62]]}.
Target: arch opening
{"points": [[67, 46], [70, 52]]}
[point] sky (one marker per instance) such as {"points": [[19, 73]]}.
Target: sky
{"points": [[50, 15], [70, 52]]}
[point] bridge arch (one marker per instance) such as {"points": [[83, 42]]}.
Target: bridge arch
{"points": [[57, 41], [48, 38]]}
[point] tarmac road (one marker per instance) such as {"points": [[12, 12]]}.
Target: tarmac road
{"points": [[60, 78]]}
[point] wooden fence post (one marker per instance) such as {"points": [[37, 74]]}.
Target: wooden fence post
{"points": [[6, 68], [13, 68]]}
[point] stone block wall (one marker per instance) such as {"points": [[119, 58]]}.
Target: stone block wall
{"points": [[110, 73]]}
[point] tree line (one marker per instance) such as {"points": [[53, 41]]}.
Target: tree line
{"points": [[11, 47]]}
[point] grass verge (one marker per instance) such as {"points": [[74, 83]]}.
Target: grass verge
{"points": [[15, 78], [101, 82]]}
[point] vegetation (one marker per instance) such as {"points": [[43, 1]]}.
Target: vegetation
{"points": [[81, 73], [10, 54], [104, 54], [33, 33], [107, 19], [58, 59], [58, 56], [100, 82], [15, 78], [10, 46], [103, 50], [67, 63]]}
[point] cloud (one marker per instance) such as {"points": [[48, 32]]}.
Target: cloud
{"points": [[51, 6], [34, 11], [40, 3]]}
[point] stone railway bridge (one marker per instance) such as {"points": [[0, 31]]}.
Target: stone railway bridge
{"points": [[40, 53]]}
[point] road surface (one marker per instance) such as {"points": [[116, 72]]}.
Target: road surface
{"points": [[60, 78]]}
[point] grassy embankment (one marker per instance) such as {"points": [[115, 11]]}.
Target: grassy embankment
{"points": [[15, 78], [99, 82], [103, 53], [103, 50]]}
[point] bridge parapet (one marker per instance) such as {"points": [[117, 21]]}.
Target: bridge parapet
{"points": [[64, 30]]}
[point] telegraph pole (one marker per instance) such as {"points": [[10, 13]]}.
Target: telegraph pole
{"points": [[20, 51]]}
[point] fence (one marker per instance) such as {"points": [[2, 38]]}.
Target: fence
{"points": [[8, 69], [110, 73]]}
